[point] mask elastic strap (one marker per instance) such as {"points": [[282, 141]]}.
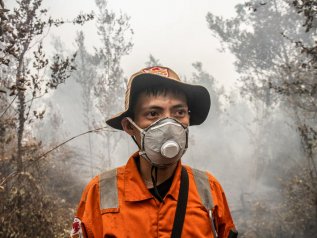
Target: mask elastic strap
{"points": [[154, 181], [136, 126]]}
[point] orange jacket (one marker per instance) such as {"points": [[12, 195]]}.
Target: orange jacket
{"points": [[140, 214]]}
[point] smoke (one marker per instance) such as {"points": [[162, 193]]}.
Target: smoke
{"points": [[249, 147]]}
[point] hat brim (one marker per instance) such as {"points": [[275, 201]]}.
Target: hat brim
{"points": [[198, 97]]}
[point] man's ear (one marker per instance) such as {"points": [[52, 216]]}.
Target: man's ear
{"points": [[127, 126]]}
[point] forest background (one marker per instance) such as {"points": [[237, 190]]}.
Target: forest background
{"points": [[260, 138]]}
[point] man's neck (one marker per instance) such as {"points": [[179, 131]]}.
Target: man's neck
{"points": [[162, 173]]}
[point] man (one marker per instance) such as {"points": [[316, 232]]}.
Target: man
{"points": [[154, 195]]}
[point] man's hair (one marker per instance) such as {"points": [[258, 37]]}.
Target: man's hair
{"points": [[154, 91]]}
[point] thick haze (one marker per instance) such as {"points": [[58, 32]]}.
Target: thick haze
{"points": [[178, 36], [259, 139], [175, 32]]}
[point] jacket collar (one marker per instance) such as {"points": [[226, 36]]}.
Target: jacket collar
{"points": [[134, 187]]}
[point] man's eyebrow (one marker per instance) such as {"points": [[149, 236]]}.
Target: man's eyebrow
{"points": [[181, 105], [152, 107]]}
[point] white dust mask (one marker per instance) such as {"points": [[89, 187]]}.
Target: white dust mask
{"points": [[163, 142]]}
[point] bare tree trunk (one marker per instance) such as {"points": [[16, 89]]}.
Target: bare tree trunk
{"points": [[21, 122], [21, 110], [2, 136]]}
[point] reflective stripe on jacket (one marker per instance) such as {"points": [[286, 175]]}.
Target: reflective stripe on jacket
{"points": [[132, 211]]}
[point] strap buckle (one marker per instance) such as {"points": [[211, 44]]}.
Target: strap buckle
{"points": [[213, 228]]}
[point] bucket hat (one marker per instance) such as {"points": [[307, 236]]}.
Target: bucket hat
{"points": [[198, 98]]}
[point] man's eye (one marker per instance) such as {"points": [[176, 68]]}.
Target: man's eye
{"points": [[182, 112], [152, 114]]}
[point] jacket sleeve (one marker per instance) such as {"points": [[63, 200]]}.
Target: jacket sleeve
{"points": [[224, 223], [88, 222]]}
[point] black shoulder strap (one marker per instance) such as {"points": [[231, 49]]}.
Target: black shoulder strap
{"points": [[181, 206]]}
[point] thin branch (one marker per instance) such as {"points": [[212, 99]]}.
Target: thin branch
{"points": [[70, 139], [49, 151], [13, 174], [8, 106], [40, 38]]}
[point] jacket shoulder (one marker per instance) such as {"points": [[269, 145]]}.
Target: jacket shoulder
{"points": [[203, 175], [93, 185]]}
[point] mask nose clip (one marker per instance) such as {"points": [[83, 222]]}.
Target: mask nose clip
{"points": [[170, 149]]}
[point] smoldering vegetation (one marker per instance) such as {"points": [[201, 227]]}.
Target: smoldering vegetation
{"points": [[259, 140]]}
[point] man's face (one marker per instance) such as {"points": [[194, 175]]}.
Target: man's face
{"points": [[150, 108]]}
